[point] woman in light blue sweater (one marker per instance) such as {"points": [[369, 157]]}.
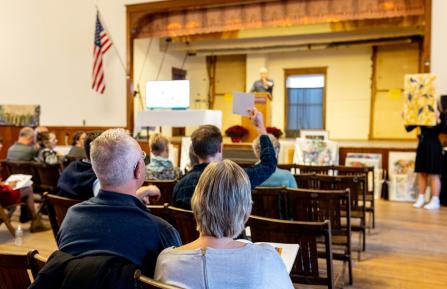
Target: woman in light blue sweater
{"points": [[221, 205], [280, 178]]}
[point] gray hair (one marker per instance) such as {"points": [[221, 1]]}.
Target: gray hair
{"points": [[26, 132], [221, 202], [114, 155], [257, 145]]}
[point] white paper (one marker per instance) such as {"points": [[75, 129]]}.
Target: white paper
{"points": [[23, 181], [288, 252], [242, 102]]}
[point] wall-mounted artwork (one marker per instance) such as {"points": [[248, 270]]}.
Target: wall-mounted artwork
{"points": [[420, 99], [403, 186], [315, 152], [314, 134], [19, 115]]}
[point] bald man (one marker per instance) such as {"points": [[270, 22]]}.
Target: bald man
{"points": [[23, 149], [264, 84]]}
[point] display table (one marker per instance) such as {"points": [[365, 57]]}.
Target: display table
{"points": [[179, 118]]}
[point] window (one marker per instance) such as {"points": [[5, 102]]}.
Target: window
{"points": [[305, 101]]}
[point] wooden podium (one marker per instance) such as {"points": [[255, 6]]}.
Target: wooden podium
{"points": [[263, 104]]}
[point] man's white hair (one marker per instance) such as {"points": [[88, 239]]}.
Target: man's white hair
{"points": [[263, 70], [114, 155]]}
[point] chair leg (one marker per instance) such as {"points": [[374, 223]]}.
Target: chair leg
{"points": [[7, 221], [350, 271], [374, 218], [364, 240]]}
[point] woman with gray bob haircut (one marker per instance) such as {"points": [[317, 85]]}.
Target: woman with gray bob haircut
{"points": [[221, 205]]}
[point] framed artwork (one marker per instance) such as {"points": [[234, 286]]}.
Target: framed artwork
{"points": [[314, 134], [403, 185], [368, 160], [420, 99], [19, 115], [315, 152]]}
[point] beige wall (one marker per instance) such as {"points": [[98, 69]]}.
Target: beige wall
{"points": [[439, 44], [348, 91]]}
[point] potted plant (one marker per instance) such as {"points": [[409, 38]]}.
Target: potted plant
{"points": [[276, 132], [236, 132]]}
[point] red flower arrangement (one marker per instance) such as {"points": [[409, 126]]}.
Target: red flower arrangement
{"points": [[236, 132], [276, 132]]}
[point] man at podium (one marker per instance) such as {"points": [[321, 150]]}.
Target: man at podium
{"points": [[264, 84]]}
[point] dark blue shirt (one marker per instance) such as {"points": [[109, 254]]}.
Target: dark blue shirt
{"points": [[117, 224], [257, 174]]}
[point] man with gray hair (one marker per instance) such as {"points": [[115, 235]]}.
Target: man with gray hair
{"points": [[264, 84], [117, 221], [23, 149]]}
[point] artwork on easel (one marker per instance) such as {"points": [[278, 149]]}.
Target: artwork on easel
{"points": [[19, 115], [315, 152], [420, 99], [403, 186], [368, 160]]}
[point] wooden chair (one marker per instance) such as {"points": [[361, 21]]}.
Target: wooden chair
{"points": [[57, 209], [35, 262], [149, 283], [14, 271], [308, 169], [5, 170], [269, 202], [368, 173], [48, 176], [357, 188], [185, 224], [305, 181], [5, 217], [166, 188], [288, 167], [162, 212], [25, 168], [306, 269], [320, 205]]}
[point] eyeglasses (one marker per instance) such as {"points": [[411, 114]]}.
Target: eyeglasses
{"points": [[143, 157]]}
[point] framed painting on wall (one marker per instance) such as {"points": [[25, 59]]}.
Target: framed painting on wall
{"points": [[315, 152], [19, 115], [403, 185]]}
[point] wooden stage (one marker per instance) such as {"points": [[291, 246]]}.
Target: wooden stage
{"points": [[408, 248]]}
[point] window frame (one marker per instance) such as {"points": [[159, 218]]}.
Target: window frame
{"points": [[303, 71]]}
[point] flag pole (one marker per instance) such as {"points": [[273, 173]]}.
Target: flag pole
{"points": [[111, 40]]}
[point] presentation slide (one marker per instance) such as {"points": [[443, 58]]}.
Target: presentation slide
{"points": [[167, 94]]}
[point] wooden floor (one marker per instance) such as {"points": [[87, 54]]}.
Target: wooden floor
{"points": [[408, 248]]}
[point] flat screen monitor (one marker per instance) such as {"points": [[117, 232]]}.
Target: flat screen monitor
{"points": [[167, 94]]}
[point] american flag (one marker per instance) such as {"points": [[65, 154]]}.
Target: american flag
{"points": [[102, 45]]}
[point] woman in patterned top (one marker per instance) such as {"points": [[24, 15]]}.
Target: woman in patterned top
{"points": [[160, 167]]}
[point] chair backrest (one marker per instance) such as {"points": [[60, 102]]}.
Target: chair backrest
{"points": [[48, 176], [57, 209], [185, 224], [145, 282], [320, 205], [269, 202], [307, 235], [25, 168], [5, 170], [14, 271], [367, 172], [166, 188], [162, 212], [355, 184], [35, 262], [308, 169], [305, 181], [288, 167]]}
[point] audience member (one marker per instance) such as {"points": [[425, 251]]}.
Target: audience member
{"points": [[10, 196], [207, 146], [160, 167], [78, 180], [23, 149], [280, 177], [46, 154], [221, 205], [117, 221], [77, 145]]}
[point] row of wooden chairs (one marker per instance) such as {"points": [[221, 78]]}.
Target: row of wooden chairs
{"points": [[14, 270], [309, 235]]}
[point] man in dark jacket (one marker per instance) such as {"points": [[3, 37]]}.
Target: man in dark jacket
{"points": [[78, 180], [117, 221], [207, 146]]}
